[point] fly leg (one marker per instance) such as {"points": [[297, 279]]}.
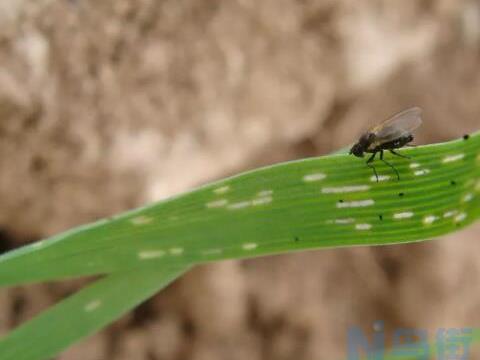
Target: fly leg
{"points": [[395, 153], [371, 166], [386, 162]]}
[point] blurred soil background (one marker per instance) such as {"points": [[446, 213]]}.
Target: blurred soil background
{"points": [[107, 105]]}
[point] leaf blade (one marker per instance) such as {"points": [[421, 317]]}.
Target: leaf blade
{"points": [[83, 313], [293, 206]]}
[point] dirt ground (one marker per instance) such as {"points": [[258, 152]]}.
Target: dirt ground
{"points": [[105, 105]]}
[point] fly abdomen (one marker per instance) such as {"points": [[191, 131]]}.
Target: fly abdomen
{"points": [[395, 144]]}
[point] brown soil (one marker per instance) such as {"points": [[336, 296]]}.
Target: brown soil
{"points": [[105, 105]]}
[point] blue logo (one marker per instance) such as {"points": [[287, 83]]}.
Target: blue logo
{"points": [[408, 343]]}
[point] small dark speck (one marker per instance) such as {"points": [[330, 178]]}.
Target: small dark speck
{"points": [[466, 137], [340, 200], [401, 194], [453, 182], [297, 239], [380, 217]]}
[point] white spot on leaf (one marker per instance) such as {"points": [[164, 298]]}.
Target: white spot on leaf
{"points": [[249, 246], [352, 204], [450, 213], [451, 158], [429, 219], [265, 193], [421, 172], [314, 177], [150, 254], [176, 251], [460, 217], [261, 201], [380, 178], [363, 226], [217, 203], [239, 205], [341, 221], [403, 215], [414, 165], [468, 197], [344, 189], [222, 190], [92, 305]]}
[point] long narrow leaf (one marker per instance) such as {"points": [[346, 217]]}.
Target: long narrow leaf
{"points": [[313, 203], [84, 313]]}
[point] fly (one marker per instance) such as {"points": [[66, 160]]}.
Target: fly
{"points": [[393, 133]]}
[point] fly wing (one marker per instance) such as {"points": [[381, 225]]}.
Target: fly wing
{"points": [[399, 125]]}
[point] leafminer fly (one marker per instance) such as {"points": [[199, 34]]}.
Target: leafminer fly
{"points": [[393, 133]]}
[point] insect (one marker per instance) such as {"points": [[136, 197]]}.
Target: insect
{"points": [[393, 133]]}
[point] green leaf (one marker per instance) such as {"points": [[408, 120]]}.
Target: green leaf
{"points": [[84, 313], [313, 203]]}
